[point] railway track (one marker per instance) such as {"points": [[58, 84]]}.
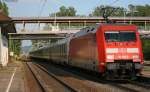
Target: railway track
{"points": [[31, 82], [146, 64], [37, 77], [142, 84], [54, 78], [136, 86], [75, 81], [111, 86], [48, 81]]}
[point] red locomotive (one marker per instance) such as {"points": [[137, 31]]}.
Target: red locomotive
{"points": [[113, 50]]}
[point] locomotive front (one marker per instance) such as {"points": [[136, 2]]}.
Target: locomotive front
{"points": [[122, 51]]}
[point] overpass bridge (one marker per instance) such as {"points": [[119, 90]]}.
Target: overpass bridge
{"points": [[41, 35], [84, 21], [78, 19], [145, 21], [45, 35]]}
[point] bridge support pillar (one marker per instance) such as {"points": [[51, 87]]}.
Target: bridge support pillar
{"points": [[130, 21], [84, 23], [145, 26], [39, 25], [69, 24], [23, 23]]}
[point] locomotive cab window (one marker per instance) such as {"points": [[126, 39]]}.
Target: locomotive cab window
{"points": [[120, 36]]}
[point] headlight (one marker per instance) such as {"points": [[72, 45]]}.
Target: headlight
{"points": [[110, 56], [136, 57]]}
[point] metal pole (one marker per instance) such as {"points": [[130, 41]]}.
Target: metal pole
{"points": [[23, 26], [69, 24], [55, 20], [84, 23], [13, 46], [39, 25], [124, 16], [131, 17], [9, 43], [145, 27], [130, 21], [0, 45]]}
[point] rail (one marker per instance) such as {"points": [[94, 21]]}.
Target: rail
{"points": [[31, 66]]}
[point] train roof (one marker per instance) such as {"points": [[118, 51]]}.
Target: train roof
{"points": [[88, 30], [84, 31], [114, 24], [62, 41]]}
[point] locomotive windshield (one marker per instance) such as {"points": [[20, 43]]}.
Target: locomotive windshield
{"points": [[120, 36]]}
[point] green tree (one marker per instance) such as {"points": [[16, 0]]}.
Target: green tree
{"points": [[4, 8], [65, 11], [146, 50], [15, 46], [99, 10], [139, 10], [71, 11]]}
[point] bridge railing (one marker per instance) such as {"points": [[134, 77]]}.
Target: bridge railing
{"points": [[70, 29]]}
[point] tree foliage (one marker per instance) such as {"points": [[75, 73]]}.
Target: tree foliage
{"points": [[4, 8], [132, 10], [15, 46], [139, 10], [65, 11], [146, 50], [99, 10]]}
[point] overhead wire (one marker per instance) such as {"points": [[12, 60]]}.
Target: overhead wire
{"points": [[40, 11], [58, 2], [114, 2], [107, 13], [42, 8]]}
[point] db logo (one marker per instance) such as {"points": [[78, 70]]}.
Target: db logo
{"points": [[122, 50]]}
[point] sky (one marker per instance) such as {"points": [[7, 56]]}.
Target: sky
{"points": [[37, 8], [83, 7]]}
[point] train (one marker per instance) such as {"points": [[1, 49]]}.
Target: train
{"points": [[111, 50]]}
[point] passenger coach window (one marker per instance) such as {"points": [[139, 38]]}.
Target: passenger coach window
{"points": [[120, 36]]}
